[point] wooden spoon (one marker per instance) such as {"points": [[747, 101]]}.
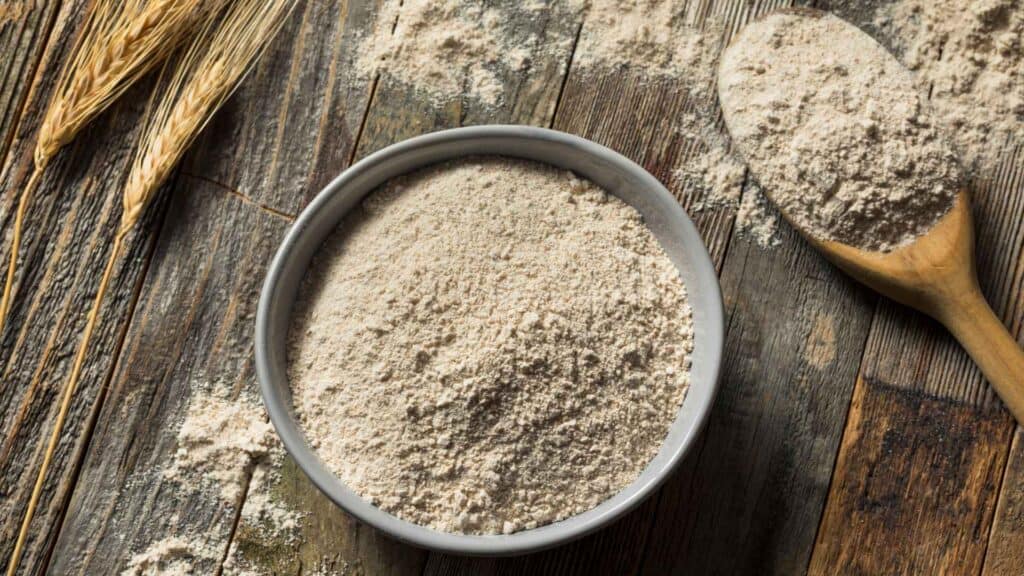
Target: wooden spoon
{"points": [[935, 274]]}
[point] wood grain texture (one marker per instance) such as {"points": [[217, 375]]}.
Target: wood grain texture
{"points": [[922, 456], [614, 550], [72, 220], [189, 333], [1005, 554], [1006, 543], [911, 360], [915, 486], [749, 501], [299, 148], [400, 110], [291, 127], [24, 33]]}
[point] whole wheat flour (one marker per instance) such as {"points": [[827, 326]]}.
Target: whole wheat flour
{"points": [[659, 39], [227, 454], [656, 38], [835, 130], [450, 49], [219, 441], [969, 56], [172, 556], [488, 346]]}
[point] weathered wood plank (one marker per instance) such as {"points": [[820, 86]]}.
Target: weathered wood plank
{"points": [[889, 511], [24, 30], [400, 111], [774, 431], [71, 223], [614, 550], [911, 362], [123, 501], [291, 126], [750, 501], [1005, 555], [908, 356]]}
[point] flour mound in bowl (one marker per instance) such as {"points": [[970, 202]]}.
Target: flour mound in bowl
{"points": [[489, 345], [836, 132]]}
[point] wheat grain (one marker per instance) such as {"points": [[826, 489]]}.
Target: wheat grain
{"points": [[201, 81], [206, 76], [120, 42]]}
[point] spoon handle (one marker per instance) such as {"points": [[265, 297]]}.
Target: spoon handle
{"points": [[993, 348]]}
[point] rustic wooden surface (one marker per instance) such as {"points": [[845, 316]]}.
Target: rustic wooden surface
{"points": [[64, 250], [850, 436]]}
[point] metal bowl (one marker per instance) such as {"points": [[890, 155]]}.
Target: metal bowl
{"points": [[609, 170]]}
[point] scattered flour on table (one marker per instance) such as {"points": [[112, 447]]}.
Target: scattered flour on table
{"points": [[657, 38], [223, 438], [836, 132], [448, 48], [171, 556], [969, 55], [264, 512], [219, 440], [757, 219], [489, 345]]}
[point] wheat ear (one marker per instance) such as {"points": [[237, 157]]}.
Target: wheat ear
{"points": [[120, 41], [214, 64]]}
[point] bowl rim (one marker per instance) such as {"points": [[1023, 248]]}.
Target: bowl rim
{"points": [[699, 401]]}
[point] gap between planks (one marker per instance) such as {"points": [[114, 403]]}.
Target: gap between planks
{"points": [[241, 196]]}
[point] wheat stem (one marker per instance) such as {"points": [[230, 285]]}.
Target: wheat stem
{"points": [[19, 222], [65, 405]]}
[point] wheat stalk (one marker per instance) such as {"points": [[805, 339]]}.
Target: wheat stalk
{"points": [[213, 65], [121, 40]]}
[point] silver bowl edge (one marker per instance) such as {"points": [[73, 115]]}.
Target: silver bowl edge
{"points": [[610, 170]]}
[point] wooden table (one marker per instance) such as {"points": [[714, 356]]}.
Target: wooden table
{"points": [[851, 435]]}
